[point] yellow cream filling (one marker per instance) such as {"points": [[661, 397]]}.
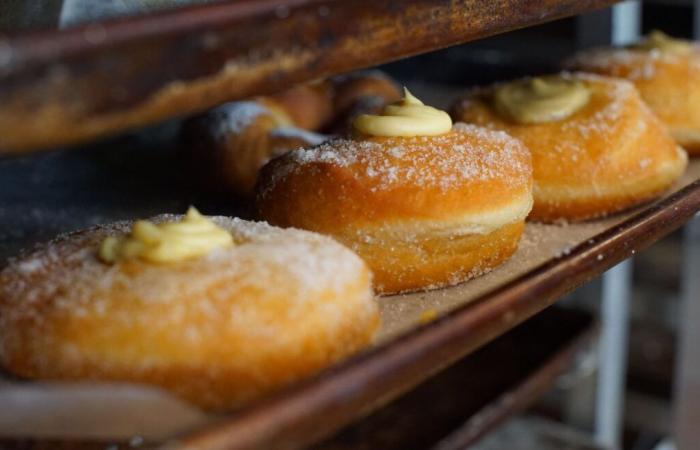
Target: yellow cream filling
{"points": [[169, 242], [541, 99], [657, 40], [407, 118]]}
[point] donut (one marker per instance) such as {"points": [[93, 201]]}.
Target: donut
{"points": [[666, 72], [596, 147], [218, 326], [423, 211], [226, 146], [363, 92], [309, 106]]}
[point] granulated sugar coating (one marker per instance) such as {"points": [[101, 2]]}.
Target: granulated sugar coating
{"points": [[67, 274], [232, 118], [423, 212], [629, 63], [668, 82], [441, 162], [602, 121], [608, 155], [216, 330]]}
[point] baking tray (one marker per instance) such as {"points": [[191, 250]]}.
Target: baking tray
{"points": [[138, 176], [552, 260], [61, 86]]}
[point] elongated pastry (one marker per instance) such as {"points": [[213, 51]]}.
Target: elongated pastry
{"points": [[226, 146], [364, 92], [423, 202], [219, 311], [309, 106], [666, 72], [596, 147]]}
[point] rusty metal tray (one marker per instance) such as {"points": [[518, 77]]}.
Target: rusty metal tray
{"points": [[551, 261], [62, 86]]}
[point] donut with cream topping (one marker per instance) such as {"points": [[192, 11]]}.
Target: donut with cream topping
{"points": [[596, 148], [218, 311], [422, 211], [666, 72], [363, 92], [226, 146]]}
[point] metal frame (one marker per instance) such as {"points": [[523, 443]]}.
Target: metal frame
{"points": [[687, 386]]}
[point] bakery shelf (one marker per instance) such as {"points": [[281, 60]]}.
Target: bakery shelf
{"points": [[63, 86]]}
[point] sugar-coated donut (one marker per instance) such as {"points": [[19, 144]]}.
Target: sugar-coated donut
{"points": [[218, 330], [423, 211], [226, 146], [363, 92], [668, 81], [310, 106], [609, 155]]}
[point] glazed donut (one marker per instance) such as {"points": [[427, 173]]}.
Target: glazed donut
{"points": [[667, 74], [608, 152], [217, 329], [227, 146], [422, 211]]}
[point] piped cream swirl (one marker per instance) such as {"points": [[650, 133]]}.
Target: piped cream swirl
{"points": [[541, 99], [657, 40], [169, 242], [407, 118]]}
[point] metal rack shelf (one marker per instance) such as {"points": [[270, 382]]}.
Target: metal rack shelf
{"points": [[65, 86]]}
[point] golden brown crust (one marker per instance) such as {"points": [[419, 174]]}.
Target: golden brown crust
{"points": [[361, 93], [669, 83], [610, 155], [310, 106], [351, 90], [227, 145], [469, 181], [217, 331], [432, 260]]}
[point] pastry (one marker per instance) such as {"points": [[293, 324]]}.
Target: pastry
{"points": [[666, 72], [226, 146], [219, 311], [364, 92], [596, 147], [424, 203], [309, 106]]}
